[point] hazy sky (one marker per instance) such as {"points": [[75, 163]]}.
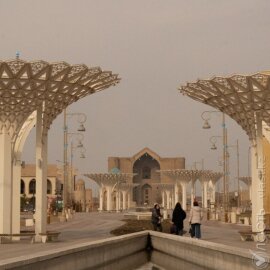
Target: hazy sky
{"points": [[155, 46]]}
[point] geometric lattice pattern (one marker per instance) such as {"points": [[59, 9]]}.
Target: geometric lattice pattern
{"points": [[26, 86], [109, 178], [182, 174], [246, 179], [238, 96], [192, 175]]}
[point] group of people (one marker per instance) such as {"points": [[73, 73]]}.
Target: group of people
{"points": [[178, 217]]}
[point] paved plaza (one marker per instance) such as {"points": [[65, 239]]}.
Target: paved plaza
{"points": [[87, 227]]}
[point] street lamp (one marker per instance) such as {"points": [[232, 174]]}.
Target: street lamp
{"points": [[238, 166], [82, 155], [81, 118], [206, 116]]}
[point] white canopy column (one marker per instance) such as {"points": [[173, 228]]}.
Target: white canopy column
{"points": [[163, 198], [5, 182], [109, 197], [176, 193], [166, 189], [183, 176], [258, 180], [17, 168], [184, 194], [112, 183], [126, 189], [41, 176], [204, 179], [214, 177], [168, 198], [101, 198], [124, 199], [247, 181]]}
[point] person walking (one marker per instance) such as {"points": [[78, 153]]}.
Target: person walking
{"points": [[195, 219], [156, 218], [178, 217]]}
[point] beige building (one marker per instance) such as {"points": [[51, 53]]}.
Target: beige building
{"points": [[28, 180], [81, 196], [146, 164]]}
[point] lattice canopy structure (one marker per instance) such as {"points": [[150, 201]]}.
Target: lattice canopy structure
{"points": [[26, 86], [215, 176], [246, 179], [109, 178], [182, 174], [239, 96]]}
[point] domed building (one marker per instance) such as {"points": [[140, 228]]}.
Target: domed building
{"points": [[145, 165]]}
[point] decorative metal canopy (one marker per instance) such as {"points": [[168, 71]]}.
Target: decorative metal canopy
{"points": [[238, 96], [27, 86], [182, 174], [109, 178], [246, 179], [215, 176]]}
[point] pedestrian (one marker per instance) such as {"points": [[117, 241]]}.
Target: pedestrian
{"points": [[156, 218], [178, 217], [195, 219]]}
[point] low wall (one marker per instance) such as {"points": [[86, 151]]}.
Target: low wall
{"points": [[138, 215], [199, 252], [124, 252], [92, 255]]}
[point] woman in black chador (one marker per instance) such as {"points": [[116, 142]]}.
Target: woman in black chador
{"points": [[178, 219]]}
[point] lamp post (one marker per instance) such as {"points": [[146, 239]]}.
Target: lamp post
{"points": [[81, 119], [206, 116], [82, 155], [238, 167], [213, 147]]}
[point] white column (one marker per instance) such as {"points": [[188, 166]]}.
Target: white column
{"points": [[101, 199], [184, 195], [129, 198], [168, 199], [16, 194], [213, 197], [258, 181], [5, 183], [257, 197], [205, 184], [41, 178], [192, 193], [124, 200], [109, 198], [176, 193], [117, 200], [163, 199]]}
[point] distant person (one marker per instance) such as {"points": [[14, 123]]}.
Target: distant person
{"points": [[178, 217], [156, 218], [195, 219]]}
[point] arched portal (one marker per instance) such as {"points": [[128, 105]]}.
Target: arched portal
{"points": [[32, 186], [49, 187], [22, 187], [145, 168]]}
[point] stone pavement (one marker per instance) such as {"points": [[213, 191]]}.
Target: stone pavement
{"points": [[86, 227]]}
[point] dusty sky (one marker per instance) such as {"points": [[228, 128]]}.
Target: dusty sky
{"points": [[155, 46]]}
